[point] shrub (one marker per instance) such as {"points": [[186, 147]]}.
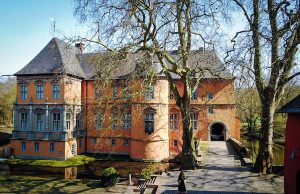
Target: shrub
{"points": [[148, 171], [110, 177]]}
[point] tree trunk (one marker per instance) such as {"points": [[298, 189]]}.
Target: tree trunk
{"points": [[188, 156], [264, 158]]}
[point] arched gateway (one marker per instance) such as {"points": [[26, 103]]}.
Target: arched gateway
{"points": [[217, 131]]}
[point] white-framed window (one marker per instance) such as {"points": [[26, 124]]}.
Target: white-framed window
{"points": [[175, 143], [149, 123], [36, 146], [56, 91], [115, 92], [98, 120], [210, 96], [52, 147], [23, 144], [149, 92], [126, 141], [195, 95], [126, 118], [68, 120], [114, 121], [174, 121], [113, 141], [194, 120], [56, 121], [40, 121], [24, 92], [39, 91], [210, 110], [24, 121]]}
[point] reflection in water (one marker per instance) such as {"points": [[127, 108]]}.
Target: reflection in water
{"points": [[92, 170], [278, 150]]}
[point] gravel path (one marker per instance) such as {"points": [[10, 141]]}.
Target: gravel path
{"points": [[221, 172]]}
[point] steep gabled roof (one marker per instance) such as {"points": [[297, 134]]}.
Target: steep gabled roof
{"points": [[291, 107], [56, 57], [59, 57], [208, 60]]}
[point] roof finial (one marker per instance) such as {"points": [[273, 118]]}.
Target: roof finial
{"points": [[53, 26]]}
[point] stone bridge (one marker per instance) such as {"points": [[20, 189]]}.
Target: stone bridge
{"points": [[221, 172]]}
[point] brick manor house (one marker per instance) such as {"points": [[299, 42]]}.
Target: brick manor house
{"points": [[56, 114]]}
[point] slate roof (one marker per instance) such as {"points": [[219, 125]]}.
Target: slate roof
{"points": [[58, 57], [291, 107]]}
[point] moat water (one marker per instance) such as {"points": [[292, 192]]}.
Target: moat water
{"points": [[91, 171], [253, 145]]}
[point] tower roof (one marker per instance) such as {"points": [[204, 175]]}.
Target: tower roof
{"points": [[55, 58]]}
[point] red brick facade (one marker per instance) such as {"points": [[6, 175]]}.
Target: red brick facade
{"points": [[68, 120]]}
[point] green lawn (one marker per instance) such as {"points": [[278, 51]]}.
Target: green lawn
{"points": [[75, 161], [29, 184], [204, 146]]}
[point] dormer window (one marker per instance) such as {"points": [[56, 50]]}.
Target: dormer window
{"points": [[24, 91], [39, 91], [56, 91]]}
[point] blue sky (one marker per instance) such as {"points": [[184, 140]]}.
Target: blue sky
{"points": [[25, 28]]}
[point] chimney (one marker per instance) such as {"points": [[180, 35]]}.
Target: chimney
{"points": [[80, 46]]}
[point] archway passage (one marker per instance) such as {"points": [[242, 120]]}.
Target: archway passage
{"points": [[217, 132]]}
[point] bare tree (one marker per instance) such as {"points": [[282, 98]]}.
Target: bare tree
{"points": [[272, 41], [156, 27]]}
